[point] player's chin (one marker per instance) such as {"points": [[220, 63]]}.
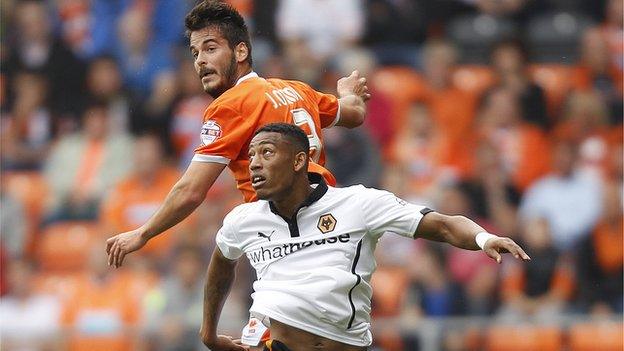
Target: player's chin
{"points": [[262, 194]]}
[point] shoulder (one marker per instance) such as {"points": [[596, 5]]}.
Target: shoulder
{"points": [[358, 193], [242, 211]]}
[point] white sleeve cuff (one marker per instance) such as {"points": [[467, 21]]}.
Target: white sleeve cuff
{"points": [[210, 158]]}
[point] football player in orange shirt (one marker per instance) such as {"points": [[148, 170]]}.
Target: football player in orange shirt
{"points": [[244, 102]]}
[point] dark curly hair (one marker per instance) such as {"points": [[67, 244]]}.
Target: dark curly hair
{"points": [[223, 16], [291, 131]]}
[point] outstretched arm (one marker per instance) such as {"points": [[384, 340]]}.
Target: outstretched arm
{"points": [[188, 193], [462, 232], [352, 96], [221, 274]]}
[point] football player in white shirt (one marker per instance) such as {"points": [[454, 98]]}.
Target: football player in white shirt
{"points": [[312, 248]]}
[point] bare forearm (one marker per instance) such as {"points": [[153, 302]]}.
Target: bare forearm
{"points": [[179, 204], [219, 280], [458, 231]]}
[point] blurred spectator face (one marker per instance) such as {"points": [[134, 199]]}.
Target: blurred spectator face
{"points": [[147, 155], [32, 21], [537, 234], [135, 30], [215, 62], [188, 80], [615, 12], [360, 59], [587, 110], [189, 267], [95, 122], [488, 158], [502, 108], [564, 158], [453, 201], [20, 278], [439, 57], [508, 59], [103, 77], [420, 122], [30, 88], [595, 50]]}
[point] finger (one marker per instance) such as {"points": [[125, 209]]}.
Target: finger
{"points": [[362, 80], [111, 255], [120, 258], [494, 255], [109, 244], [355, 73], [521, 253], [367, 97], [116, 254]]}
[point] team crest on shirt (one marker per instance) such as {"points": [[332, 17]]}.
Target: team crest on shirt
{"points": [[326, 223], [210, 132]]}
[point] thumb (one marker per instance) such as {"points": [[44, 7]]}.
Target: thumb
{"points": [[355, 73]]}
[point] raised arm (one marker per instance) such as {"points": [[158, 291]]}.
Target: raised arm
{"points": [[462, 232], [352, 96], [185, 196], [220, 277]]}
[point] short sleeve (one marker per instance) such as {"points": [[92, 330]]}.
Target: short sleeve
{"points": [[223, 135], [228, 242], [385, 212], [329, 109]]}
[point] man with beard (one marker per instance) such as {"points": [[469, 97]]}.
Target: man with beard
{"points": [[221, 48]]}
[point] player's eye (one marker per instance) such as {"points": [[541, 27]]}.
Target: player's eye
{"points": [[267, 152], [194, 53], [211, 49]]}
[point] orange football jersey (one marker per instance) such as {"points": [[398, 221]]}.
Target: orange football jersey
{"points": [[231, 120]]}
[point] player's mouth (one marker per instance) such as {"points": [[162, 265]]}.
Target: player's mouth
{"points": [[257, 181], [205, 75]]}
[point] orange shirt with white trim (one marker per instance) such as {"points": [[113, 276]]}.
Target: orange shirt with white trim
{"points": [[231, 120]]}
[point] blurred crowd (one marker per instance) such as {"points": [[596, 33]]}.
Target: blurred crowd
{"points": [[508, 112]]}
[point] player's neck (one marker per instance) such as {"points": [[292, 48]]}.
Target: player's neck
{"points": [[242, 71], [288, 204]]}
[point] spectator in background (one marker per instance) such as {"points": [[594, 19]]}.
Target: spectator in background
{"points": [[146, 62], [103, 313], [452, 108], [473, 277], [136, 197], [613, 31], [523, 148], [509, 59], [596, 71], [30, 321], [314, 31], [567, 199], [600, 259], [189, 106], [395, 29], [27, 130], [104, 83], [424, 152], [83, 166], [88, 26], [492, 194], [379, 107], [13, 227], [585, 121], [541, 287], [173, 321], [35, 48]]}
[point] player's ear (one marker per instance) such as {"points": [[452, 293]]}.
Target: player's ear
{"points": [[301, 159], [241, 52]]}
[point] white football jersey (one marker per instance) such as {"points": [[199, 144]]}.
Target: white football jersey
{"points": [[314, 270]]}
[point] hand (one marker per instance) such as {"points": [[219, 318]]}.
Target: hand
{"points": [[495, 246], [353, 85], [122, 244], [225, 343]]}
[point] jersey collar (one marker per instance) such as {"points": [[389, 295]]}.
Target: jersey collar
{"points": [[314, 196], [251, 74]]}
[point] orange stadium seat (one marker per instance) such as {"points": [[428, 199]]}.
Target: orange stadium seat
{"points": [[65, 246], [473, 78], [556, 80], [523, 338], [604, 336]]}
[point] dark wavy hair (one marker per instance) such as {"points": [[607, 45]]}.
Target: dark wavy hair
{"points": [[230, 23]]}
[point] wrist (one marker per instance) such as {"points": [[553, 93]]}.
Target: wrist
{"points": [[482, 238]]}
